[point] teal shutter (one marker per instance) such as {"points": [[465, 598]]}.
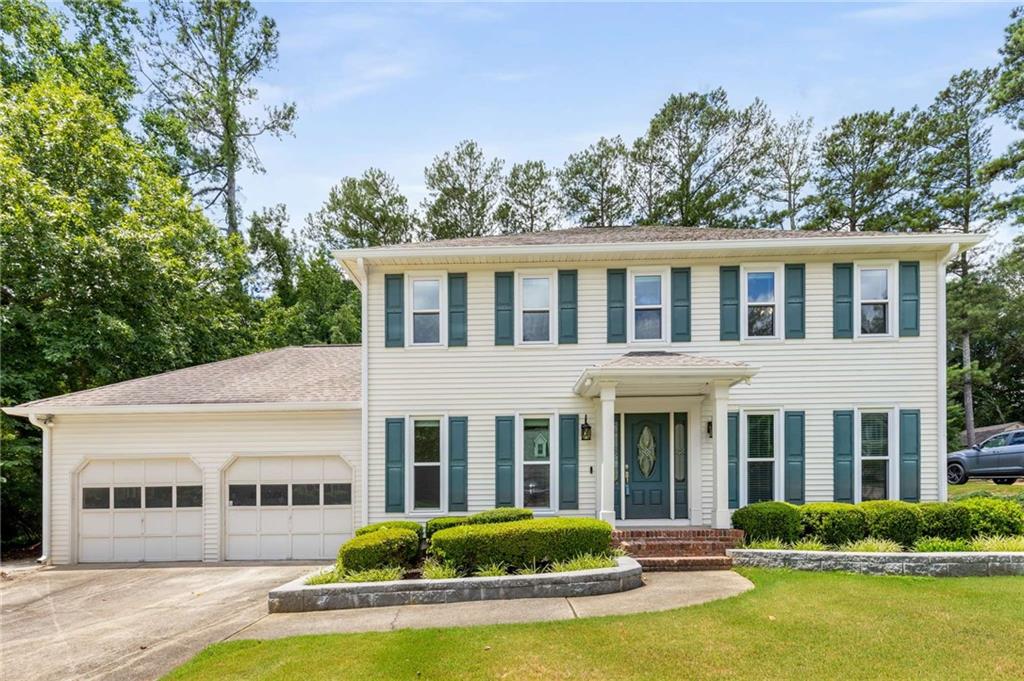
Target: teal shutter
{"points": [[680, 304], [729, 302], [910, 454], [795, 305], [842, 456], [394, 465], [458, 462], [457, 309], [504, 461], [394, 310], [842, 300], [504, 308], [616, 306], [734, 459], [568, 461], [910, 299], [794, 456], [567, 306]]}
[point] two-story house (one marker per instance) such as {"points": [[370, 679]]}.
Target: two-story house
{"points": [[642, 375]]}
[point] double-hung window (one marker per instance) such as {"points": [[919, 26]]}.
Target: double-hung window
{"points": [[761, 456], [761, 304], [647, 302], [875, 305], [427, 304], [536, 296], [426, 464], [874, 456], [536, 458]]}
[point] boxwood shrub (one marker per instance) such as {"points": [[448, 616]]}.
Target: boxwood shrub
{"points": [[897, 521], [520, 544], [385, 547], [991, 516], [768, 520], [945, 521], [500, 515], [833, 523], [389, 524], [444, 522]]}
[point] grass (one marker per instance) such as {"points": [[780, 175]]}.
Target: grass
{"points": [[985, 486], [794, 625]]}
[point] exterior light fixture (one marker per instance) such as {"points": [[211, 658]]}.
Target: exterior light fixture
{"points": [[585, 429], [710, 430]]}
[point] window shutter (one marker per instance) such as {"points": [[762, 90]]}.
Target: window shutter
{"points": [[910, 454], [910, 299], [568, 461], [457, 309], [795, 306], [616, 306], [729, 302], [504, 308], [505, 461], [458, 462], [680, 304], [394, 310], [842, 300], [567, 306], [794, 456], [394, 465], [842, 456], [734, 459]]}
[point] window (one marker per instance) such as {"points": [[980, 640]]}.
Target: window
{"points": [[127, 497], [273, 495], [1018, 438], [761, 305], [536, 309], [159, 497], [426, 464], [305, 494], [874, 456], [1000, 440], [874, 301], [95, 497], [679, 451], [241, 495], [337, 493], [426, 311], [189, 496], [537, 463], [648, 305], [760, 457]]}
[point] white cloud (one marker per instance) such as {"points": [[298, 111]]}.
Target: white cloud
{"points": [[361, 73]]}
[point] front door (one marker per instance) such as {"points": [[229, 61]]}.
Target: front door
{"points": [[647, 478]]}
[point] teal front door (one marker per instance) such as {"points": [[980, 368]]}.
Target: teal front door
{"points": [[647, 479]]}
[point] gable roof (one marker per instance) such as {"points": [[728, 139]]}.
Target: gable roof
{"points": [[312, 377]]}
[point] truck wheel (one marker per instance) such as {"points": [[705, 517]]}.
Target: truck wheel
{"points": [[955, 474]]}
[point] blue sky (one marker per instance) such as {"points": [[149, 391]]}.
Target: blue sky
{"points": [[394, 85]]}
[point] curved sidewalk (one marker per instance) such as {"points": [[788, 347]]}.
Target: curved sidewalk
{"points": [[661, 591]]}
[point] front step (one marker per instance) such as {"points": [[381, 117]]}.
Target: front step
{"points": [[678, 549], [685, 563]]}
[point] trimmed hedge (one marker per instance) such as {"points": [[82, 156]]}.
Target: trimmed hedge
{"points": [[521, 543], [404, 524], [945, 521], [500, 515], [444, 522], [385, 547], [992, 516], [768, 520], [897, 521], [833, 523]]}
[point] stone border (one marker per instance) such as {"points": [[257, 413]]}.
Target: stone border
{"points": [[297, 596], [950, 564]]}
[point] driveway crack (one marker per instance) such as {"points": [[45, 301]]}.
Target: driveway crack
{"points": [[236, 633], [573, 608]]}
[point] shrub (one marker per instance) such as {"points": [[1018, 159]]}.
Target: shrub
{"points": [[770, 544], [872, 545], [500, 515], [896, 521], [534, 568], [388, 547], [584, 561], [385, 574], [945, 521], [833, 523], [404, 524], [997, 543], [443, 523], [435, 569], [768, 520], [1019, 498], [491, 570], [518, 544], [941, 544], [809, 544], [993, 516]]}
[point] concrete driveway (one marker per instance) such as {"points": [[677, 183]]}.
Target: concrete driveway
{"points": [[127, 622]]}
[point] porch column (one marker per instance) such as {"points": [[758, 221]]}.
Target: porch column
{"points": [[720, 460], [606, 498]]}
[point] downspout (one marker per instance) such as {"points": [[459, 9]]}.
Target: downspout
{"points": [[940, 344], [364, 331], [45, 423]]}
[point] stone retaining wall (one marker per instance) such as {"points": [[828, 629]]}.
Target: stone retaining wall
{"points": [[966, 564], [297, 596]]}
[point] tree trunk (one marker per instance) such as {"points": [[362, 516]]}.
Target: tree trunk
{"points": [[968, 390], [231, 201]]}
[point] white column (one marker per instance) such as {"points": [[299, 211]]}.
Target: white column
{"points": [[720, 461], [606, 508]]}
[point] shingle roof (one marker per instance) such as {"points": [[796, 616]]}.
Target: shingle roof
{"points": [[659, 359], [308, 374]]}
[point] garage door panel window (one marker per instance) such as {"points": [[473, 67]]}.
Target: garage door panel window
{"points": [[127, 497], [305, 494], [189, 496], [337, 494], [159, 497], [241, 495], [96, 498], [273, 495], [427, 464]]}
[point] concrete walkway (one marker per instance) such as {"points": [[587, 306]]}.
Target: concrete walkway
{"points": [[662, 591]]}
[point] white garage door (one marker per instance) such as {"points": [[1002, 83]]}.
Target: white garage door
{"points": [[132, 511], [288, 507]]}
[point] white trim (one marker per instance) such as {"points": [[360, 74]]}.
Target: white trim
{"points": [[410, 465], [442, 312], [196, 408], [942, 492], [631, 274], [776, 270], [520, 463], [892, 478], [364, 477], [892, 301], [552, 310]]}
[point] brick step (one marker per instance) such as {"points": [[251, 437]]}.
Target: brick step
{"points": [[693, 534], [673, 547], [685, 563]]}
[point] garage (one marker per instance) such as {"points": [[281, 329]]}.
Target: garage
{"points": [[140, 510], [280, 508]]}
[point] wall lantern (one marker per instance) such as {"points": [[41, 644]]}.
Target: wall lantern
{"points": [[585, 429], [710, 430]]}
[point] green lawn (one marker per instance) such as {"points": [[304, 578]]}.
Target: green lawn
{"points": [[793, 625], [986, 485]]}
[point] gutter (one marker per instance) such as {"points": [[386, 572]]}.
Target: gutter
{"points": [[45, 423], [940, 378], [191, 408]]}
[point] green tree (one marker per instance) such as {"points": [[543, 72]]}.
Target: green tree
{"points": [[202, 60], [594, 184], [646, 182], [275, 253], [362, 212], [463, 191], [785, 174], [1007, 99], [530, 201]]}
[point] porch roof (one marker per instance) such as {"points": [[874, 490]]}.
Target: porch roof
{"points": [[657, 373]]}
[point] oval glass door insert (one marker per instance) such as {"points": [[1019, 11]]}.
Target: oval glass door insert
{"points": [[646, 452]]}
